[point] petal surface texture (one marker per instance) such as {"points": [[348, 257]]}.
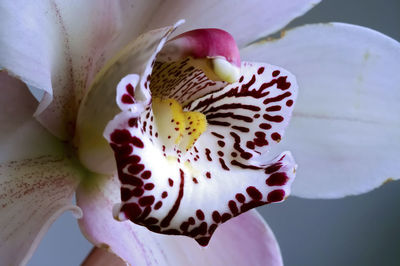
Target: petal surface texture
{"points": [[245, 20], [63, 45], [246, 240], [175, 181], [345, 131], [36, 182], [101, 104]]}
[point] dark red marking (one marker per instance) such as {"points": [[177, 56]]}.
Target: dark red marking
{"points": [[170, 182], [276, 136], [254, 193], [276, 195], [233, 207], [273, 168], [147, 200], [216, 216], [223, 164], [240, 197], [127, 99], [167, 220], [277, 179], [149, 186], [200, 214]]}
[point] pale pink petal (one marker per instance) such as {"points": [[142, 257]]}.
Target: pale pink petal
{"points": [[100, 106], [36, 183], [246, 240], [345, 130], [175, 189], [101, 257], [245, 20], [59, 46]]}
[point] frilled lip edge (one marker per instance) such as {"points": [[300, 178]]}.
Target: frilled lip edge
{"points": [[134, 138]]}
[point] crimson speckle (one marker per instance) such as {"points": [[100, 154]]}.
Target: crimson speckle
{"points": [[200, 214], [158, 205], [120, 136], [164, 194], [147, 200], [135, 169], [240, 197], [149, 186], [216, 216], [146, 174], [289, 103], [276, 73], [276, 136], [273, 168], [277, 179], [276, 195], [260, 70], [131, 210], [254, 193], [170, 182], [127, 99], [137, 142]]}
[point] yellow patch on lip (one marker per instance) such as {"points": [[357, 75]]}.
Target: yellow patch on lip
{"points": [[177, 126]]}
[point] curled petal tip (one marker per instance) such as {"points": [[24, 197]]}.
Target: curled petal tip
{"points": [[225, 70]]}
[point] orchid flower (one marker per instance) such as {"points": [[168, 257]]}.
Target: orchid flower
{"points": [[177, 132]]}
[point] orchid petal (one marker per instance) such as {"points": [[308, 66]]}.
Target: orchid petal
{"points": [[99, 106], [36, 182], [346, 125], [183, 190], [246, 240], [101, 257], [50, 49], [245, 20]]}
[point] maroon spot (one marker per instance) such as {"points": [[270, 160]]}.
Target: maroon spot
{"points": [[151, 220], [233, 207], [200, 214], [276, 195], [273, 108], [260, 70], [221, 143], [132, 122], [216, 216], [241, 79], [282, 83], [225, 217], [203, 241], [184, 226], [195, 180], [265, 126], [277, 179], [120, 136], [130, 89], [250, 145], [131, 211], [126, 194], [273, 118], [158, 205], [220, 153], [273, 168], [131, 180], [147, 200], [146, 174], [149, 186], [164, 194], [208, 175], [170, 182], [276, 136], [234, 154], [127, 99], [276, 73], [289, 103], [137, 142], [240, 197], [254, 193], [191, 220], [223, 164], [167, 220], [135, 169], [137, 192], [212, 228]]}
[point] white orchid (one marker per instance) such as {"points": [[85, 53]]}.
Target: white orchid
{"points": [[191, 124]]}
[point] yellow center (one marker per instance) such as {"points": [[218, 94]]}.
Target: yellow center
{"points": [[175, 126]]}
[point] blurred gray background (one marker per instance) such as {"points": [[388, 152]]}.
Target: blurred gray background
{"points": [[362, 230]]}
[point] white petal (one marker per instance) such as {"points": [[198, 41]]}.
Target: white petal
{"points": [[59, 46], [99, 106], [245, 20], [36, 183], [246, 240], [345, 130]]}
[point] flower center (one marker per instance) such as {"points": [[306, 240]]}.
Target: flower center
{"points": [[177, 127]]}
